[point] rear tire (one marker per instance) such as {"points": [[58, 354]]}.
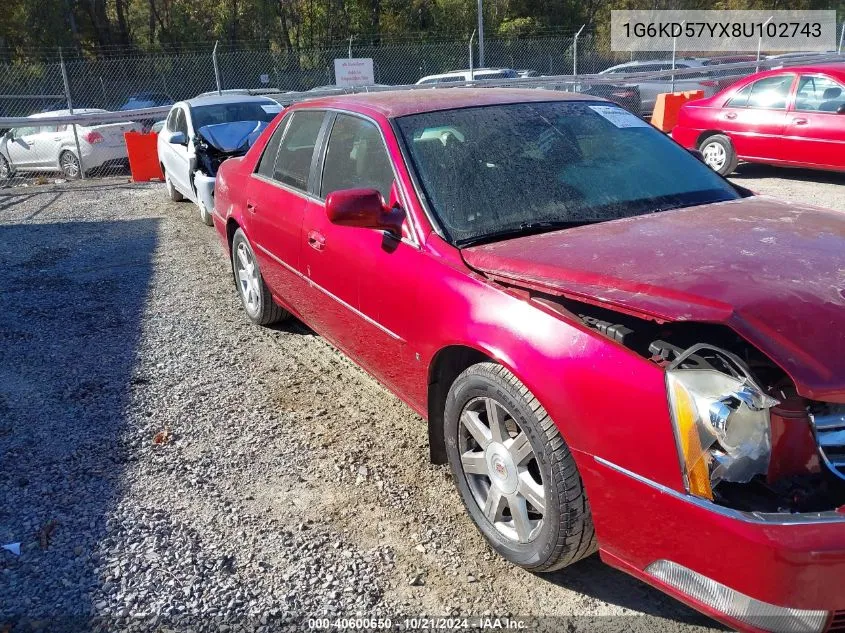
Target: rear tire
{"points": [[172, 192], [6, 171], [69, 164], [719, 154], [255, 295], [520, 483]]}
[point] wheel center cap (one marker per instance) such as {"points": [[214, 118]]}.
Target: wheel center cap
{"points": [[500, 465]]}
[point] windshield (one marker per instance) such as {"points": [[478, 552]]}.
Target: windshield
{"points": [[497, 170], [231, 112]]}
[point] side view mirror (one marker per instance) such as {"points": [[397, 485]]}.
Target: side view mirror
{"points": [[177, 138], [363, 208], [841, 109]]}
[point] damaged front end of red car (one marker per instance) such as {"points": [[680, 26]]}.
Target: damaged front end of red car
{"points": [[754, 367]]}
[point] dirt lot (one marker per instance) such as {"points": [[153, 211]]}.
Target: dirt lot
{"points": [[165, 464]]}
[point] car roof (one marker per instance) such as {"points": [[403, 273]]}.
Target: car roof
{"points": [[686, 61], [396, 103], [52, 113], [835, 70], [223, 99], [466, 71]]}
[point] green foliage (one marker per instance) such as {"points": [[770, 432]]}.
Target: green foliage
{"points": [[517, 26], [98, 28]]}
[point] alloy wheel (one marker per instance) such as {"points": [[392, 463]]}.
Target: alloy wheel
{"points": [[501, 469], [715, 155], [249, 282], [69, 165]]}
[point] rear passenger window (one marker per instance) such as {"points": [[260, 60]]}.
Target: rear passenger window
{"points": [[356, 158], [268, 158], [293, 162], [740, 99]]}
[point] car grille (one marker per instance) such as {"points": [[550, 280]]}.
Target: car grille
{"points": [[837, 622], [829, 427]]}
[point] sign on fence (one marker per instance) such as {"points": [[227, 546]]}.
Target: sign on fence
{"points": [[354, 72]]}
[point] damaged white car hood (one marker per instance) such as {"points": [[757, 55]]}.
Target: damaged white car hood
{"points": [[234, 136]]}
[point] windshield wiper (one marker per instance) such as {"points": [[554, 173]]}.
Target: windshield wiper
{"points": [[525, 228]]}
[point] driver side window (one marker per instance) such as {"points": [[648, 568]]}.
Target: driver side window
{"points": [[818, 94], [356, 158]]}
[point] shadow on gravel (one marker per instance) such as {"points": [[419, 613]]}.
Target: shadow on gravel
{"points": [[72, 298], [752, 171], [594, 578], [292, 325]]}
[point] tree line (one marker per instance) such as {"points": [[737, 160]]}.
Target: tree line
{"points": [[100, 28]]}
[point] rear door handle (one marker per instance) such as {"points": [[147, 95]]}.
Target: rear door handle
{"points": [[250, 207], [800, 121], [730, 115], [316, 240]]}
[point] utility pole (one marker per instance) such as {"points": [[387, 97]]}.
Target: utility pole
{"points": [[481, 34]]}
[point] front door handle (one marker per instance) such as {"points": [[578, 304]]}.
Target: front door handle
{"points": [[730, 115], [316, 240], [800, 121]]}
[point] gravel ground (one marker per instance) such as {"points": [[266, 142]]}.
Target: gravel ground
{"points": [[167, 466]]}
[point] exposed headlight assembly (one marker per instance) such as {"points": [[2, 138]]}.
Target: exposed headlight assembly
{"points": [[721, 422]]}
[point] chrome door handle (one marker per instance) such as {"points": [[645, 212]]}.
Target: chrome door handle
{"points": [[316, 240]]}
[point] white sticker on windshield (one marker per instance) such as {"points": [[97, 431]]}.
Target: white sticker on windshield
{"points": [[272, 109], [618, 116]]}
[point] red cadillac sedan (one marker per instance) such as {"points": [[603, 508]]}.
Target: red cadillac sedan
{"points": [[614, 348], [793, 117]]}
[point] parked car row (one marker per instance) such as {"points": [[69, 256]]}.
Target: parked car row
{"points": [[608, 354]]}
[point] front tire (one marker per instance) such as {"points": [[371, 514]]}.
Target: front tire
{"points": [[514, 472], [255, 295], [172, 191], [719, 154]]}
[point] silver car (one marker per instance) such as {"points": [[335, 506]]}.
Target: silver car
{"points": [[52, 147]]}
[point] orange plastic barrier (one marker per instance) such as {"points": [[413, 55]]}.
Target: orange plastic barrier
{"points": [[668, 105], [142, 150]]}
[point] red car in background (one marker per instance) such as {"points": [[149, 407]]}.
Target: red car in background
{"points": [[793, 117], [614, 348]]}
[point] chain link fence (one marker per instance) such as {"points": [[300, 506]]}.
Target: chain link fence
{"points": [[54, 83]]}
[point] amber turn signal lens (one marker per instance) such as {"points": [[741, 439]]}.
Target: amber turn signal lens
{"points": [[693, 455]]}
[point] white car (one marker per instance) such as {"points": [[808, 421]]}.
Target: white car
{"points": [[201, 133], [52, 147], [478, 74], [650, 88]]}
